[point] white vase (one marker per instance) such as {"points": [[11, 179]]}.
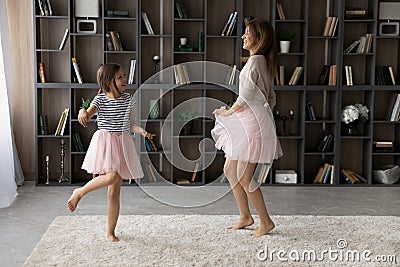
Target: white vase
{"points": [[285, 45], [154, 111]]}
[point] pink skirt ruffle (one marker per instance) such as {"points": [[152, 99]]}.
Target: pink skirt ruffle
{"points": [[113, 151], [248, 135]]}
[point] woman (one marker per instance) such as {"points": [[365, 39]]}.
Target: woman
{"points": [[246, 132]]}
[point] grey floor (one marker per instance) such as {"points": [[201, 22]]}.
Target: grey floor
{"points": [[23, 224]]}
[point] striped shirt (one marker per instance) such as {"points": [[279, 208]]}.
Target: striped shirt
{"points": [[113, 114]]}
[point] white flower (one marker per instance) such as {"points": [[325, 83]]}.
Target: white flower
{"points": [[354, 112]]}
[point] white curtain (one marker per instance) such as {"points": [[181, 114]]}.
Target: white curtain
{"points": [[10, 168]]}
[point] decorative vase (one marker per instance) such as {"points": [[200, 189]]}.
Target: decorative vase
{"points": [[285, 45], [352, 128], [154, 109]]}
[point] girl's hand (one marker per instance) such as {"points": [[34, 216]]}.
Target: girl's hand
{"points": [[83, 117], [148, 135], [221, 111]]}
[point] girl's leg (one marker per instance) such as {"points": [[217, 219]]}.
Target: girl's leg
{"points": [[94, 184], [114, 192], [245, 174], [240, 195]]}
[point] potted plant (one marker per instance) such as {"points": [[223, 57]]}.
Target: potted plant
{"points": [[187, 119], [285, 37], [353, 116]]}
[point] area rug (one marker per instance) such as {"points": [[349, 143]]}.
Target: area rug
{"points": [[204, 240]]}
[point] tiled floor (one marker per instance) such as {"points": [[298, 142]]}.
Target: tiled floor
{"points": [[23, 224]]}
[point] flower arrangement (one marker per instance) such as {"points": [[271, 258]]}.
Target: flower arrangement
{"points": [[355, 112]]}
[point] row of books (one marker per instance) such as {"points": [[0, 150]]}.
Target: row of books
{"points": [[383, 146], [62, 122], [147, 23], [394, 111], [77, 141], [326, 143], [45, 8], [310, 114], [230, 75], [325, 174], [294, 79], [114, 42], [77, 70], [230, 24], [363, 44], [349, 75], [181, 74], [181, 9], [150, 145], [43, 124], [330, 26], [182, 181], [327, 75], [279, 9], [384, 75], [132, 68], [351, 177]]}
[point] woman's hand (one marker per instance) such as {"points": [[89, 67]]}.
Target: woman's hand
{"points": [[222, 111], [83, 117]]}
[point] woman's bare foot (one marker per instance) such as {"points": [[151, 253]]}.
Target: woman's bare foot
{"points": [[112, 238], [242, 223], [264, 228], [74, 200]]}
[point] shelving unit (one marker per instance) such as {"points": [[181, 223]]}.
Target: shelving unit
{"points": [[309, 49]]}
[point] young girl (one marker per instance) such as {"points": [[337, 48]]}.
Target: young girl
{"points": [[111, 152], [246, 132]]}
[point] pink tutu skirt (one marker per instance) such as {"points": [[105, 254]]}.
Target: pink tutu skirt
{"points": [[113, 151], [248, 135]]}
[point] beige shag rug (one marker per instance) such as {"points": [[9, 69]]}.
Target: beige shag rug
{"points": [[204, 240]]}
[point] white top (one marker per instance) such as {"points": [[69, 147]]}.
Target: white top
{"points": [[255, 82], [114, 114]]}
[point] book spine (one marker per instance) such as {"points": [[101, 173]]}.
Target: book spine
{"points": [[64, 40], [77, 71], [42, 73]]}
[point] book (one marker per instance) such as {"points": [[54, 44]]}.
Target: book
{"points": [[352, 46], [328, 22], [147, 145], [229, 31], [152, 144], [50, 8], [110, 46], [116, 41], [147, 23], [323, 76], [332, 75], [42, 73], [232, 76], [180, 7], [281, 75], [150, 173], [201, 41], [43, 124], [227, 24], [263, 174], [281, 13], [76, 137], [181, 181], [41, 7], [195, 169], [61, 123], [77, 71], [64, 40], [132, 71]]}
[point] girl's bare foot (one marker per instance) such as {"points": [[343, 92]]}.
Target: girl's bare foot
{"points": [[242, 223], [112, 238], [264, 228], [74, 200]]}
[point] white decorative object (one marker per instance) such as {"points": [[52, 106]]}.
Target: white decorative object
{"points": [[86, 9], [285, 177], [387, 175], [389, 11], [285, 45]]}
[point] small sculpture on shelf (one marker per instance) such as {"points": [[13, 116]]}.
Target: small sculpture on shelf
{"points": [[62, 178], [156, 61], [284, 119], [47, 169]]}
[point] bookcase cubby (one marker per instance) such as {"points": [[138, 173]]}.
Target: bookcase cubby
{"points": [[300, 131]]}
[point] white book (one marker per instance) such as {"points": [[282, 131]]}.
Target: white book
{"points": [[66, 111], [64, 40], [147, 23], [232, 78], [77, 71], [132, 71]]}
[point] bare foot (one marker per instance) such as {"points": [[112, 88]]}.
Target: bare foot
{"points": [[112, 238], [74, 200], [242, 223], [264, 229]]}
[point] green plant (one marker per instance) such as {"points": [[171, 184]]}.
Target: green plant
{"points": [[85, 103], [285, 35], [187, 116]]}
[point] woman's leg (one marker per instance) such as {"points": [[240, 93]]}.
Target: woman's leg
{"points": [[240, 195], [114, 192], [245, 174], [94, 184]]}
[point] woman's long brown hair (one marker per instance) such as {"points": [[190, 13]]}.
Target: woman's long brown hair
{"points": [[265, 43]]}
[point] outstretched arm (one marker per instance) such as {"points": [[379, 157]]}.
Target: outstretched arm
{"points": [[137, 129], [85, 115]]}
